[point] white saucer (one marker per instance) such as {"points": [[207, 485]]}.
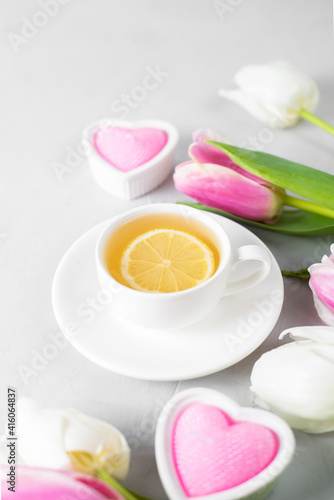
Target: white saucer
{"points": [[235, 328]]}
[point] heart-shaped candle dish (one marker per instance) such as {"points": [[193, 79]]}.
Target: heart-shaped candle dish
{"points": [[129, 159], [208, 446]]}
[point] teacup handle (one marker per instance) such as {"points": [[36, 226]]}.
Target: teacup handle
{"points": [[245, 253]]}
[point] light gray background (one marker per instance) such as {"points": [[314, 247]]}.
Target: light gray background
{"points": [[69, 74]]}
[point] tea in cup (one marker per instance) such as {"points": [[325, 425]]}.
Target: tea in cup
{"points": [[168, 265]]}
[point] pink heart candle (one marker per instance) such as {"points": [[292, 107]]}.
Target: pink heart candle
{"points": [[130, 159], [213, 453], [207, 446], [127, 149]]}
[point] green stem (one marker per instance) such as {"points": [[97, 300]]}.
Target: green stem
{"points": [[308, 206], [316, 121], [302, 274], [140, 497], [127, 494]]}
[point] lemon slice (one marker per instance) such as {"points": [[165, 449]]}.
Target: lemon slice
{"points": [[166, 260]]}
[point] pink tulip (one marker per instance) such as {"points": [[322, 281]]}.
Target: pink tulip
{"points": [[48, 484], [213, 179], [322, 285]]}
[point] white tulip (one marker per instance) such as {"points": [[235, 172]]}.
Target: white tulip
{"points": [[296, 380], [273, 93], [46, 435]]}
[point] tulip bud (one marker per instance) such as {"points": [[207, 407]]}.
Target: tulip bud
{"points": [[296, 380], [322, 285], [273, 93], [216, 181]]}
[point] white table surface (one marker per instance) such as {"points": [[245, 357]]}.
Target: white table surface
{"points": [[71, 72]]}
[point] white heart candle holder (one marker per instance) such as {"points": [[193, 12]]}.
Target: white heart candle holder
{"points": [[140, 180], [256, 487]]}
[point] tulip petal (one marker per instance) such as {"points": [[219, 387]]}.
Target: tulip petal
{"points": [[223, 188], [323, 334], [64, 430], [41, 484], [278, 83], [273, 93], [322, 285], [202, 151], [253, 107], [105, 489], [324, 308], [322, 281], [296, 381]]}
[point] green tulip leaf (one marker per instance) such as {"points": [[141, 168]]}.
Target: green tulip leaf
{"points": [[295, 222], [308, 182]]}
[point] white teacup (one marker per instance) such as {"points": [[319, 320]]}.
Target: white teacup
{"points": [[182, 308]]}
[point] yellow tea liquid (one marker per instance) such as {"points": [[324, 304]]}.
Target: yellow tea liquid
{"points": [[131, 229]]}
